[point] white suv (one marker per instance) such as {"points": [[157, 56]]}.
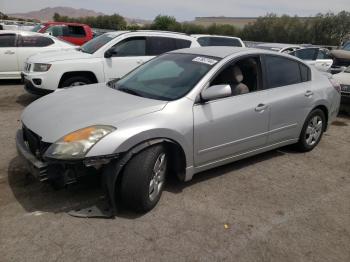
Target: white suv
{"points": [[107, 57]]}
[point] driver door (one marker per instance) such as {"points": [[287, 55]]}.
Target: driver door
{"points": [[230, 127], [127, 55]]}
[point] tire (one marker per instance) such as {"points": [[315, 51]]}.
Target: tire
{"points": [[76, 81], [136, 191], [312, 131]]}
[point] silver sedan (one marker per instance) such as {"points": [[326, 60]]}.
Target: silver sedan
{"points": [[181, 113]]}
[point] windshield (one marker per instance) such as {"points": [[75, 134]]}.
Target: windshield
{"points": [[167, 77], [37, 28], [93, 45], [347, 46], [218, 41]]}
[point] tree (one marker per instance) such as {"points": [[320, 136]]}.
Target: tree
{"points": [[166, 23]]}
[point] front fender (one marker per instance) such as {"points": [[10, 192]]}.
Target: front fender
{"points": [[122, 141]]}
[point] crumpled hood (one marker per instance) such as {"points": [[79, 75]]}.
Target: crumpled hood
{"points": [[52, 56], [68, 110]]}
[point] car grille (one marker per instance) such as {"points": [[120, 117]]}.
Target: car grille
{"points": [[27, 67], [34, 143]]}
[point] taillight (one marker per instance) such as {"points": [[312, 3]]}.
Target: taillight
{"points": [[335, 84]]}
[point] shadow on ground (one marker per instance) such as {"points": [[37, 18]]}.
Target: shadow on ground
{"points": [[35, 196], [26, 99], [10, 82]]}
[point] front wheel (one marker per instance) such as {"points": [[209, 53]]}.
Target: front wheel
{"points": [[76, 81], [143, 179], [312, 130]]}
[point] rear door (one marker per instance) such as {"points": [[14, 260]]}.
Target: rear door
{"points": [[289, 93], [8, 56]]}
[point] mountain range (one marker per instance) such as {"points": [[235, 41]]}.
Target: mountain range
{"points": [[46, 14]]}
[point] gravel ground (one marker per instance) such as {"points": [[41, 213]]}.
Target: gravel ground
{"points": [[278, 206]]}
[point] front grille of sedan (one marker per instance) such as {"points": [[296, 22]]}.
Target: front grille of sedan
{"points": [[35, 143]]}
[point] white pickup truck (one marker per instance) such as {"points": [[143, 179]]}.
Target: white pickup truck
{"points": [[109, 56]]}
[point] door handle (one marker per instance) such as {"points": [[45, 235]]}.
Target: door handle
{"points": [[261, 108], [308, 93], [9, 52]]}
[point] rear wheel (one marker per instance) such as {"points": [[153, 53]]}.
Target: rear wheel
{"points": [[312, 131], [76, 81], [143, 179]]}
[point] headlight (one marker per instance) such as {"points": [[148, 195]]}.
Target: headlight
{"points": [[75, 145], [41, 67]]}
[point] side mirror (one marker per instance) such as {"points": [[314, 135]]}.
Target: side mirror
{"points": [[216, 92], [110, 52]]}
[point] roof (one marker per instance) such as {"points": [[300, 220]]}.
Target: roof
{"points": [[223, 36], [276, 45], [23, 32], [215, 51], [63, 23]]}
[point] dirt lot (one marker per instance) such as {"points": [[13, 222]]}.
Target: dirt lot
{"points": [[279, 206]]}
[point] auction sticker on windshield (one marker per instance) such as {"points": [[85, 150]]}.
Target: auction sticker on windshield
{"points": [[205, 60]]}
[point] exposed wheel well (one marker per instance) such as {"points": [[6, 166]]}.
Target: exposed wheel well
{"points": [[87, 74], [325, 111]]}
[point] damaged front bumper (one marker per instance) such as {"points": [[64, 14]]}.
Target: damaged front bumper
{"points": [[62, 172]]}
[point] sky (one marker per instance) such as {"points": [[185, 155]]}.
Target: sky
{"points": [[185, 9]]}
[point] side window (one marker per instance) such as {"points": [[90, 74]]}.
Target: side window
{"points": [[323, 54], [75, 31], [282, 71], [218, 41], [243, 76], [160, 45], [35, 41], [55, 30], [135, 46], [181, 43], [305, 73], [7, 40], [306, 54]]}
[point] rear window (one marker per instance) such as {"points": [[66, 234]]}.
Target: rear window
{"points": [[34, 41], [75, 31], [7, 40], [219, 41], [282, 71], [159, 45]]}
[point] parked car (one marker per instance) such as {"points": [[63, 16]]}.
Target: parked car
{"points": [[218, 40], [281, 48], [17, 46], [75, 33], [106, 57], [343, 79], [181, 113], [341, 58], [316, 56]]}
